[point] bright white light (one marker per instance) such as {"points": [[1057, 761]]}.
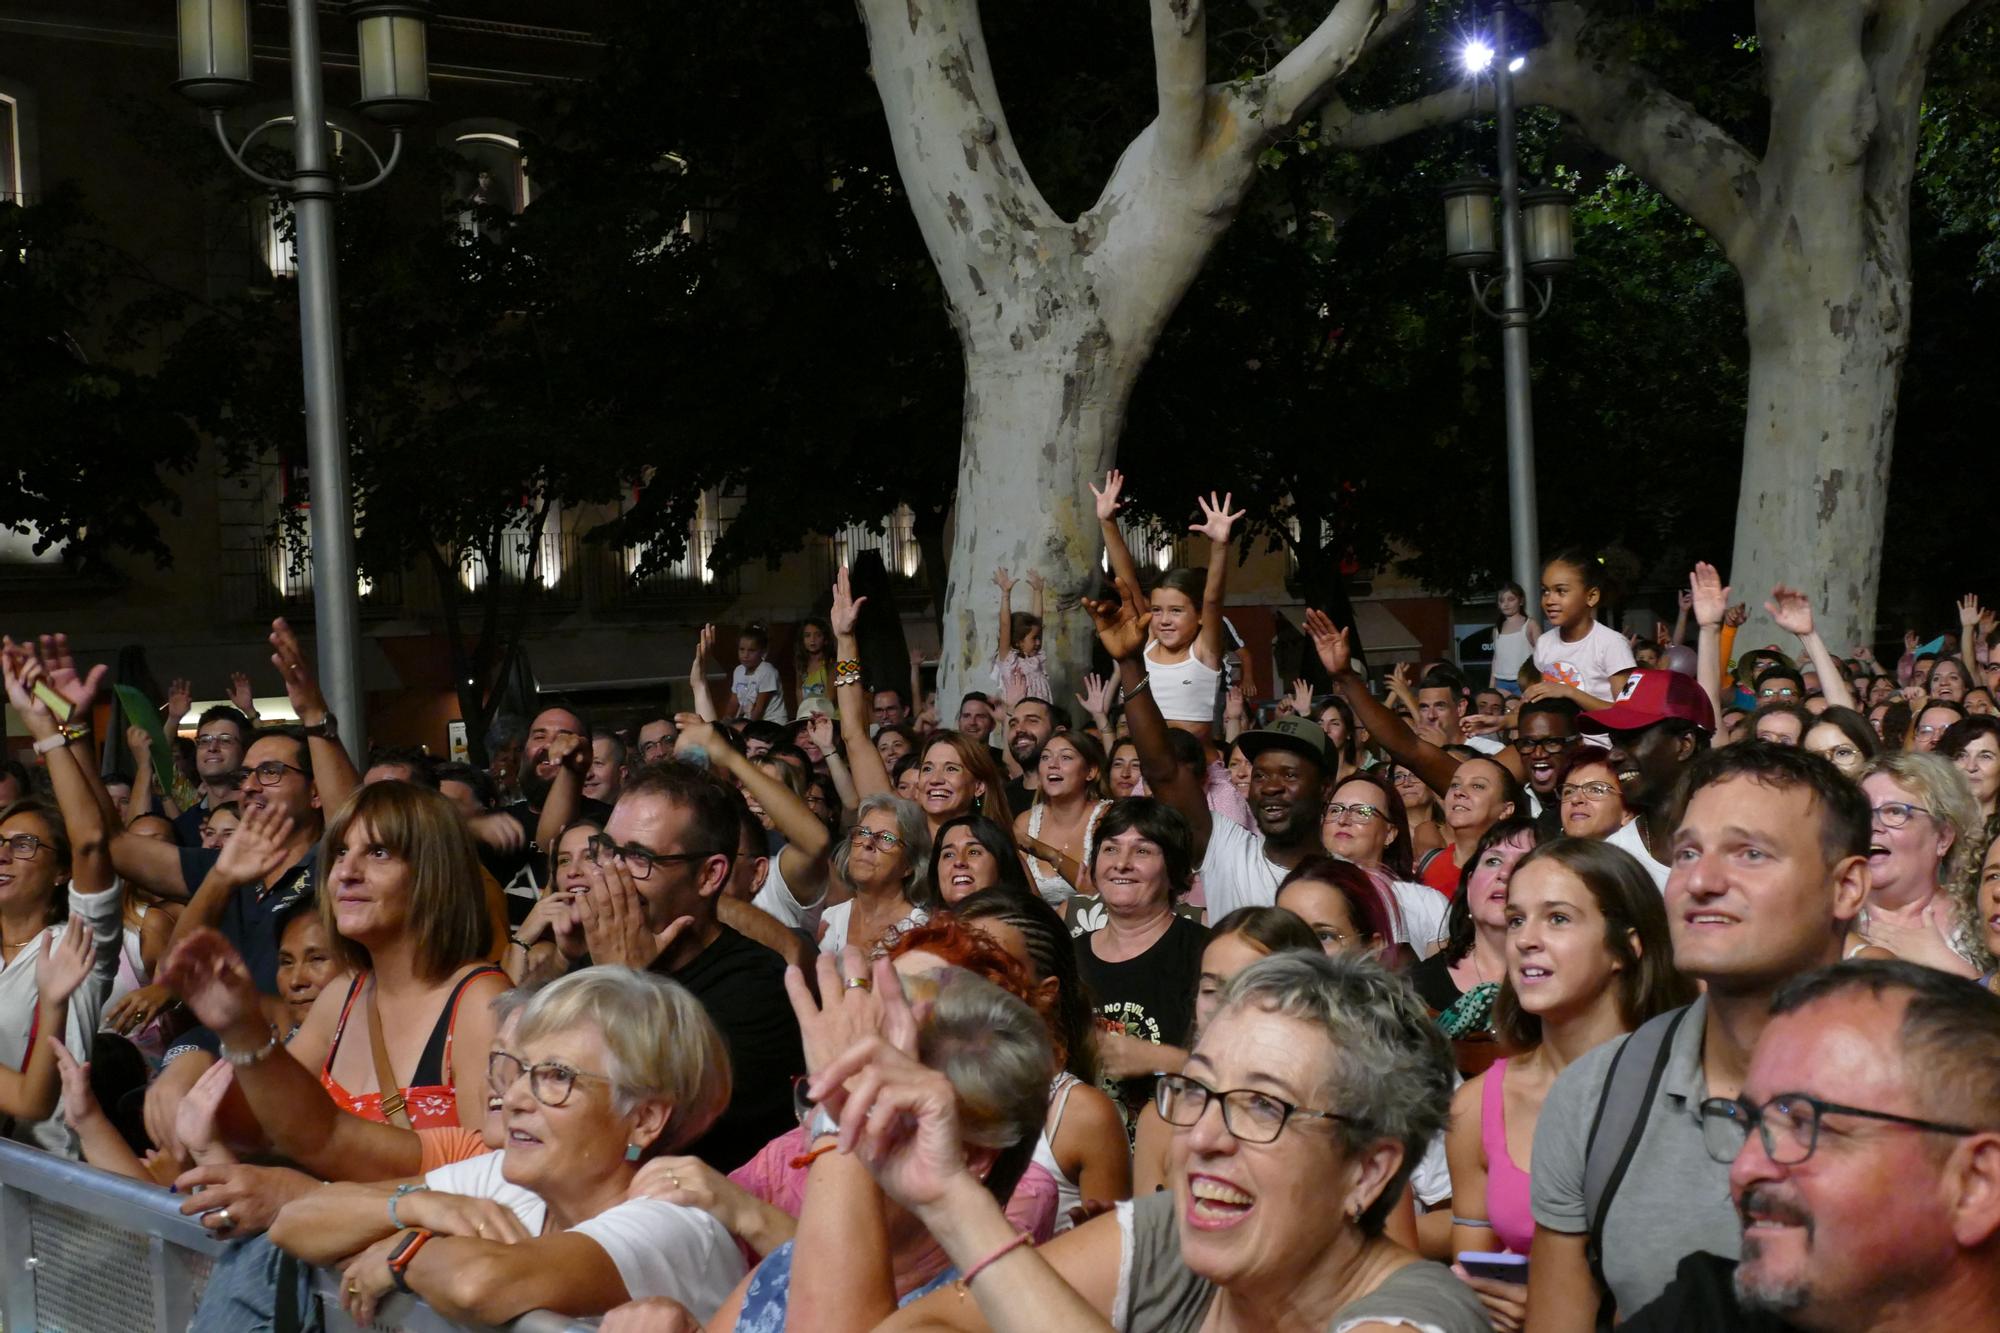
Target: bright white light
{"points": [[1477, 56], [1517, 64]]}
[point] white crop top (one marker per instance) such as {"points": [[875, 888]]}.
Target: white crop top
{"points": [[1185, 691]]}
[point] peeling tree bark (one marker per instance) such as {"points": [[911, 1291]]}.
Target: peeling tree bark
{"points": [[1818, 231], [1057, 318]]}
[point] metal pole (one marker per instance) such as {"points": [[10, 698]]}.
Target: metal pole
{"points": [[1514, 320], [336, 602]]}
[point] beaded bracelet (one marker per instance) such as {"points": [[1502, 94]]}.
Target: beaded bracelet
{"points": [[965, 1282]]}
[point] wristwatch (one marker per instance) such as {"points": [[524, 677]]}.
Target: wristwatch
{"points": [[399, 1258], [326, 729]]}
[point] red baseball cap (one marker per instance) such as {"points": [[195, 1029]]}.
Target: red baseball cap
{"points": [[1650, 697]]}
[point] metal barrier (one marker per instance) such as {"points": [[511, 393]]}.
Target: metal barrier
{"points": [[84, 1251]]}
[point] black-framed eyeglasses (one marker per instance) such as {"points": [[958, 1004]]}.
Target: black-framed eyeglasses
{"points": [[268, 774], [880, 841], [1593, 791], [638, 861], [655, 748], [24, 846], [551, 1081], [1546, 745], [1336, 812], [1895, 814], [1788, 1124], [1249, 1115]]}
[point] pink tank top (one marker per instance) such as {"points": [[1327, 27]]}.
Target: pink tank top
{"points": [[1508, 1206]]}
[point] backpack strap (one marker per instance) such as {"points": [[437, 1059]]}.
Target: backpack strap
{"points": [[1620, 1123]]}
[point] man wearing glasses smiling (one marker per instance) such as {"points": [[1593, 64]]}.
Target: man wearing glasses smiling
{"points": [[657, 876], [1864, 1162], [220, 737]]}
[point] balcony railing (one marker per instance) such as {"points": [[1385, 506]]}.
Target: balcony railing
{"points": [[896, 542], [550, 566], [688, 579], [280, 577]]}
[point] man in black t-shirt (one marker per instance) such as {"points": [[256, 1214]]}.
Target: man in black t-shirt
{"points": [[656, 881]]}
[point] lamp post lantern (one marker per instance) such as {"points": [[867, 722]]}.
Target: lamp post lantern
{"points": [[1534, 244], [215, 58]]}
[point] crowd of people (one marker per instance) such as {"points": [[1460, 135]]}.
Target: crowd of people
{"points": [[1637, 982]]}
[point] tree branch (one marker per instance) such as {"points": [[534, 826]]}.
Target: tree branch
{"points": [[1304, 77], [1343, 127], [972, 196], [1687, 157], [1180, 70]]}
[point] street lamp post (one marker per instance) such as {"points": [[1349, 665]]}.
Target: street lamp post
{"points": [[1534, 241], [215, 60]]}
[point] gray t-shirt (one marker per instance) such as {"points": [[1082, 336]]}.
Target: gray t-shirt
{"points": [[1674, 1199], [1158, 1294]]}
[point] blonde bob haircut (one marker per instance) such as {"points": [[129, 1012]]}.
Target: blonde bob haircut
{"points": [[662, 1043], [424, 830]]}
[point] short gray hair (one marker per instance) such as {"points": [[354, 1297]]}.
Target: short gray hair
{"points": [[1391, 1070], [913, 829], [662, 1043], [997, 1054]]}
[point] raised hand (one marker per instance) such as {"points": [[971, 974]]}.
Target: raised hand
{"points": [[1968, 610], [1107, 499], [848, 1010], [1014, 690], [1736, 614], [572, 752], [180, 700], [64, 963], [1336, 654], [1216, 520], [206, 971], [1003, 580], [140, 742], [696, 734], [301, 686], [1121, 622], [846, 608], [1034, 577], [1911, 642], [1791, 610], [820, 728], [1709, 595], [1663, 633], [241, 695], [21, 671], [77, 689], [258, 847], [1302, 698], [1686, 600], [79, 1103], [1096, 696], [194, 1119]]}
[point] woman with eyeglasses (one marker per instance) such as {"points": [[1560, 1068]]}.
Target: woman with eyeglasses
{"points": [[1844, 739], [1986, 919], [1921, 861], [1365, 824], [53, 976], [885, 859], [1592, 802], [1588, 958], [1307, 1100], [609, 1069]]}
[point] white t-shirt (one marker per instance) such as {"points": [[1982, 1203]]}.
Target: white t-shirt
{"points": [[659, 1248], [1235, 872], [1589, 663], [1628, 838], [834, 922], [1421, 910], [747, 685], [775, 898]]}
